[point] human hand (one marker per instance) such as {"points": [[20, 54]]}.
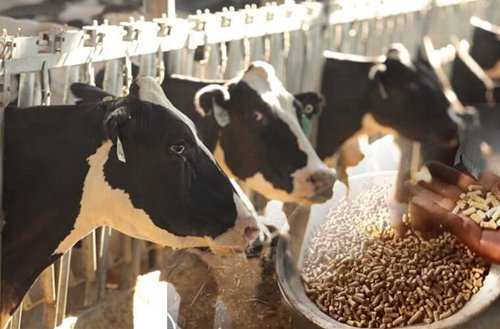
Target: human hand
{"points": [[432, 203]]}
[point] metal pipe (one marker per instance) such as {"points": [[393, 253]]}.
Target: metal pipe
{"points": [[6, 95], [26, 93], [146, 66], [15, 321], [90, 266], [62, 287], [47, 282], [113, 77], [102, 263]]}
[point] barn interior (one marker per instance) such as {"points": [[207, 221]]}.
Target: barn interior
{"points": [[326, 116]]}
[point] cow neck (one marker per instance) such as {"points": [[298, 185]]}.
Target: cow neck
{"points": [[346, 104], [46, 151]]}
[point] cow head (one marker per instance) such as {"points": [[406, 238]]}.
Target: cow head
{"points": [[408, 97], [165, 185], [261, 141]]}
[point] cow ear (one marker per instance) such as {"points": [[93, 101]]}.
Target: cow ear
{"points": [[397, 52], [86, 94], [116, 121], [115, 124], [376, 74], [210, 100], [312, 103], [376, 71]]}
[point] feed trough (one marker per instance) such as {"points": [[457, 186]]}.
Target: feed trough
{"points": [[290, 261]]}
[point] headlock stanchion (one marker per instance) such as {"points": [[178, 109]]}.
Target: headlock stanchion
{"points": [[290, 36]]}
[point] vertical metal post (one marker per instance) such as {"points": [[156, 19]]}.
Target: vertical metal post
{"points": [[15, 321], [90, 267], [146, 65], [26, 95], [257, 49], [113, 77], [62, 286], [295, 60], [216, 58], [72, 75], [102, 264], [47, 279], [174, 63], [126, 274], [275, 58], [5, 101], [235, 59], [313, 57]]}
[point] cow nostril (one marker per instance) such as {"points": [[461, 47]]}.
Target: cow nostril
{"points": [[312, 179], [251, 233], [322, 180]]}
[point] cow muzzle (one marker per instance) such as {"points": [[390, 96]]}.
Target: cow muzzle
{"points": [[322, 185], [238, 239]]}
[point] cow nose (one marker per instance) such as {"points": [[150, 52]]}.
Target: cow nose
{"points": [[322, 182], [251, 233], [268, 237]]}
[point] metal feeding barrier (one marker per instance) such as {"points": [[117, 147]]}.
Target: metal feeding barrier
{"points": [[217, 45]]}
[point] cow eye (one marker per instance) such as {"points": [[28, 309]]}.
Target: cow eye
{"points": [[257, 116], [308, 109], [178, 148]]}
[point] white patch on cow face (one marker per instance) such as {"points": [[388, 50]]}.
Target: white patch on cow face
{"points": [[150, 91], [83, 10], [262, 78], [102, 205]]}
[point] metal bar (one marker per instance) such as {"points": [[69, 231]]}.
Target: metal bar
{"points": [[72, 75], [26, 93], [126, 247], [102, 263], [62, 286], [146, 66], [235, 59], [276, 43], [127, 69], [90, 267], [15, 321], [47, 279], [113, 77], [257, 49], [295, 60], [212, 66], [137, 247], [45, 86], [159, 66], [174, 63]]}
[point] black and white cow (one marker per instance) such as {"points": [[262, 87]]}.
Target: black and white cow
{"points": [[251, 124], [389, 93], [468, 84], [135, 164]]}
